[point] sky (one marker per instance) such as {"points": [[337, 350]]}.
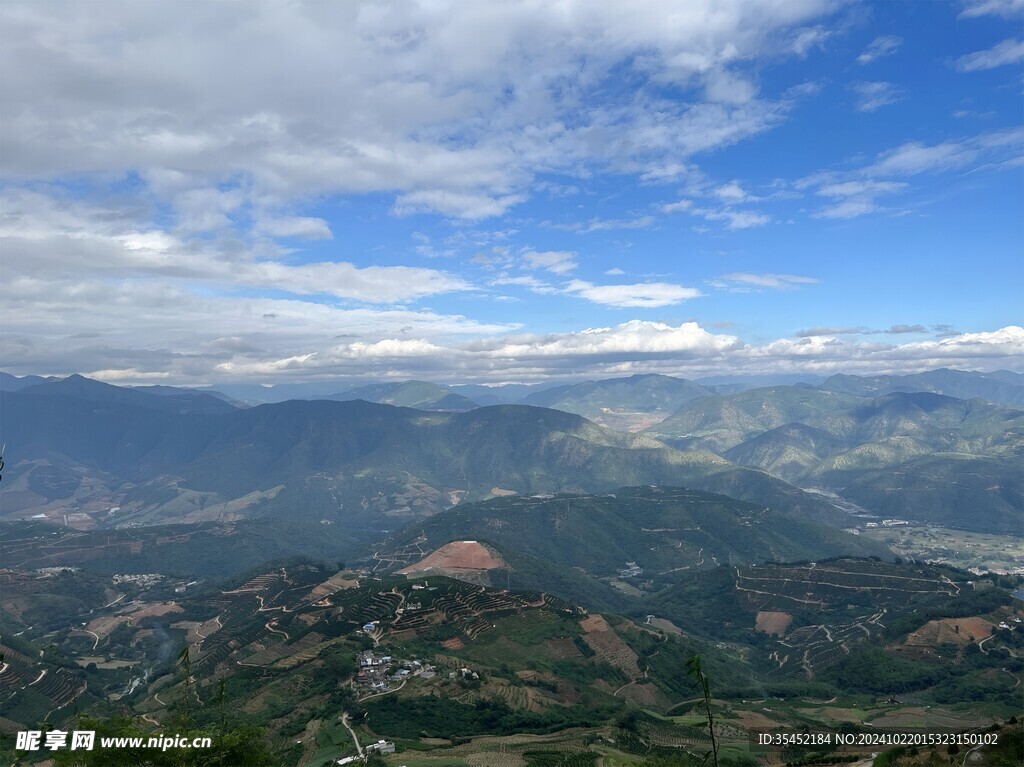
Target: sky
{"points": [[194, 192]]}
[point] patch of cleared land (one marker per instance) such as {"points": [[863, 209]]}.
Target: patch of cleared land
{"points": [[609, 646], [562, 647], [771, 622], [455, 557], [85, 660], [665, 625], [959, 631]]}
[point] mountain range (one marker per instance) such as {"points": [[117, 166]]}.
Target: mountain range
{"points": [[82, 448], [168, 454]]}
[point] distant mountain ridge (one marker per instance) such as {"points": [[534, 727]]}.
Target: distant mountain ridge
{"points": [[625, 403], [1002, 387], [421, 395], [87, 389], [357, 464], [901, 454]]}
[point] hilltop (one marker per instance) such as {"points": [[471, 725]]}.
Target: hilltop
{"points": [[597, 549]]}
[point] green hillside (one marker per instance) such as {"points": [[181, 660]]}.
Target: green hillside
{"points": [[663, 531]]}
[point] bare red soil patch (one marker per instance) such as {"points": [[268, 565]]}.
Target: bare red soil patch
{"points": [[960, 631], [773, 622], [455, 556]]}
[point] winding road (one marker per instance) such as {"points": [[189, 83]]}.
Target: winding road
{"points": [[344, 721]]}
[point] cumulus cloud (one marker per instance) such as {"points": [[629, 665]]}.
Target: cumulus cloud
{"points": [[732, 193], [880, 47], [635, 346], [1009, 51], [48, 237], [447, 107]]}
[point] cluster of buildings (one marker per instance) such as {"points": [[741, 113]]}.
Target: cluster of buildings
{"points": [[378, 672], [380, 747], [142, 580]]}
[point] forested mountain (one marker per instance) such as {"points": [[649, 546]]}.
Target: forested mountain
{"points": [[357, 463]]}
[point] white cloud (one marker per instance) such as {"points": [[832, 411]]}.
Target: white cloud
{"points": [[1009, 51], [855, 191], [852, 208], [1009, 9], [856, 198], [448, 108], [646, 295], [48, 237], [880, 47], [457, 204], [294, 347], [808, 38], [914, 157], [861, 188], [723, 86], [732, 193], [554, 261], [614, 271], [747, 280], [527, 281], [735, 219], [635, 339], [604, 224], [676, 207], [875, 95]]}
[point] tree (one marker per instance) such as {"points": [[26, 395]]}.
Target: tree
{"points": [[694, 667]]}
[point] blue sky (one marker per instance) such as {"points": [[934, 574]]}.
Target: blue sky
{"points": [[510, 191]]}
